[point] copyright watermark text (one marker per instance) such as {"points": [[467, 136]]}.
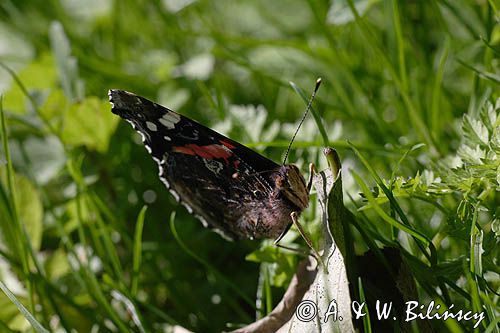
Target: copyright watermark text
{"points": [[307, 311]]}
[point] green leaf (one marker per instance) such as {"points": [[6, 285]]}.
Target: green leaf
{"points": [[39, 75], [57, 264], [89, 124], [475, 131], [46, 157], [471, 155], [55, 106], [30, 210], [489, 116], [282, 264]]}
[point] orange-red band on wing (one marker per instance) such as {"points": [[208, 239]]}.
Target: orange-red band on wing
{"points": [[208, 152], [227, 144]]}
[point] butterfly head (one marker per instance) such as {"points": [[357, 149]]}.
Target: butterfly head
{"points": [[292, 185]]}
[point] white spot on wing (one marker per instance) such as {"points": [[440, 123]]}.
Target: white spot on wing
{"points": [[143, 137], [175, 195], [189, 209], [202, 220], [169, 119], [174, 117], [151, 126], [167, 138], [110, 98], [164, 180]]}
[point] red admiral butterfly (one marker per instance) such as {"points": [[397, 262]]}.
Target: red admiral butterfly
{"points": [[226, 185]]}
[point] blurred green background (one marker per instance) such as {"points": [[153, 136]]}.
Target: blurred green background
{"points": [[406, 82]]}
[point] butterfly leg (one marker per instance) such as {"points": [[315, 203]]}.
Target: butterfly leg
{"points": [[293, 249], [296, 250], [280, 237], [295, 219]]}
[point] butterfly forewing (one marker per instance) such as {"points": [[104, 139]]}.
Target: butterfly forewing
{"points": [[219, 180]]}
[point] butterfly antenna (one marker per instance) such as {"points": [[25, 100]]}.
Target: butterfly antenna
{"points": [[318, 83]]}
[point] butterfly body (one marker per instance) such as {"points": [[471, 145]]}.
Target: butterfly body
{"points": [[226, 185]]}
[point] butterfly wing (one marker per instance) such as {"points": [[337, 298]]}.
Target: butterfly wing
{"points": [[216, 178]]}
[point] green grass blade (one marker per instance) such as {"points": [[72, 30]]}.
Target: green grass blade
{"points": [[136, 261], [436, 112], [18, 231], [366, 319], [413, 113], [493, 326], [131, 309], [267, 289], [398, 164], [384, 215], [484, 74], [432, 257], [34, 323], [400, 45]]}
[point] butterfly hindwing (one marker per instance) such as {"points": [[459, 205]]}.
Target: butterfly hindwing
{"points": [[215, 177]]}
